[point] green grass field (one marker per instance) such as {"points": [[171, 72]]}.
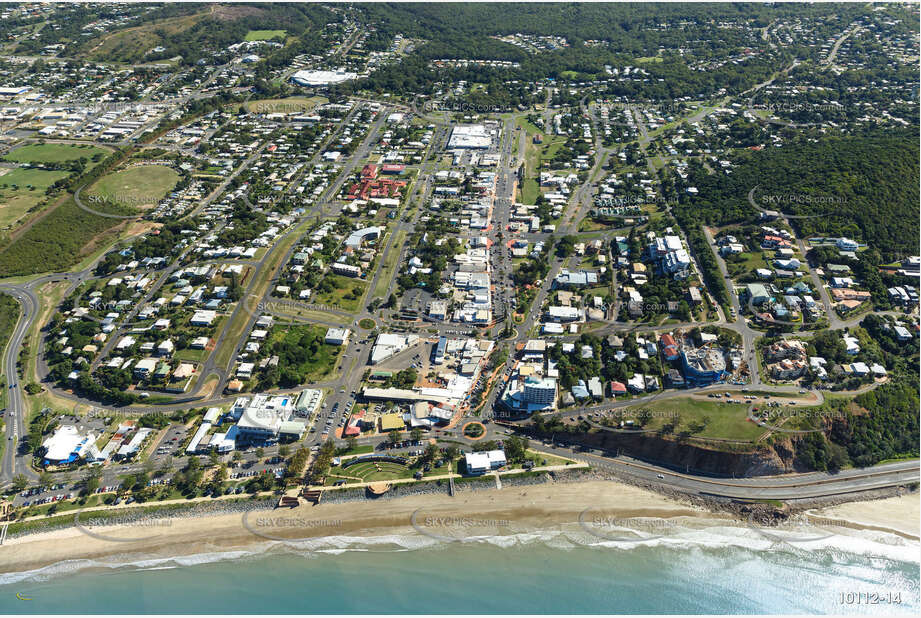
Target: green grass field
{"points": [[749, 262], [342, 292], [287, 105], [533, 157], [264, 35], [24, 178], [21, 190], [144, 185], [530, 189], [53, 153], [700, 418], [390, 264]]}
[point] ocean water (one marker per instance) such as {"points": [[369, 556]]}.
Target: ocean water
{"points": [[717, 570]]}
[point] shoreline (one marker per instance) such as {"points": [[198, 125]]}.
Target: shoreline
{"points": [[606, 509]]}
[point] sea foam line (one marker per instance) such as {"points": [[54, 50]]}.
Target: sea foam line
{"points": [[868, 543]]}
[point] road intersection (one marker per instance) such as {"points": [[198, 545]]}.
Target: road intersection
{"points": [[342, 390]]}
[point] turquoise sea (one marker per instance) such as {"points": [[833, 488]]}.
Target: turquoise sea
{"points": [[728, 570]]}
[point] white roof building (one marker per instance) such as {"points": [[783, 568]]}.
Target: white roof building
{"points": [[470, 136], [337, 336], [322, 78], [390, 344], [479, 463], [67, 444]]}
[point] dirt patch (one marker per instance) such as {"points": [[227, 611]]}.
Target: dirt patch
{"points": [[231, 12], [125, 229]]}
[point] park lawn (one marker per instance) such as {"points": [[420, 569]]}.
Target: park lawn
{"points": [[26, 177], [590, 225], [727, 421], [136, 186], [551, 460], [438, 471], [390, 264], [534, 155], [341, 293], [331, 479], [53, 153], [313, 314], [265, 35]]}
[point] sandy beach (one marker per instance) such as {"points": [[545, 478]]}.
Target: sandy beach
{"points": [[900, 514], [496, 511], [511, 510]]}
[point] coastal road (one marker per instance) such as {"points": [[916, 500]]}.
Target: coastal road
{"points": [[15, 410], [785, 487]]}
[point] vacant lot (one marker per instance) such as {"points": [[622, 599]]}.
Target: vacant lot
{"points": [[343, 293], [288, 105], [140, 186], [264, 35], [535, 154], [134, 44], [54, 153], [20, 190], [55, 243], [301, 349]]}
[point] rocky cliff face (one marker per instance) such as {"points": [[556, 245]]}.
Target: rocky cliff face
{"points": [[735, 460]]}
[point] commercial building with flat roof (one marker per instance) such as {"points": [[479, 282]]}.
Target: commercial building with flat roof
{"points": [[484, 461], [308, 402], [195, 444], [322, 78], [337, 336], [263, 417], [389, 422], [470, 136]]}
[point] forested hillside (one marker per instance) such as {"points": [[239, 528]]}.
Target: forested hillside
{"points": [[864, 187], [887, 428]]}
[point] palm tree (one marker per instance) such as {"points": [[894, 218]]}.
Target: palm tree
{"points": [[19, 482]]}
